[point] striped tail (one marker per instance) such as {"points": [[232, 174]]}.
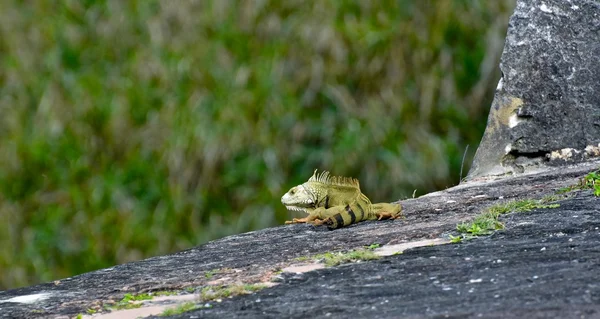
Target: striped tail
{"points": [[351, 214]]}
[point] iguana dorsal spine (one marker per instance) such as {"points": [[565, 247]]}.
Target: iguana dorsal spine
{"points": [[325, 178]]}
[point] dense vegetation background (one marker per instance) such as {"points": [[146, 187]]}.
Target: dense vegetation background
{"points": [[137, 128]]}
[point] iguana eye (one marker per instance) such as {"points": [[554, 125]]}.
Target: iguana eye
{"points": [[292, 191]]}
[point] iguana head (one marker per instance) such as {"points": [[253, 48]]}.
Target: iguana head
{"points": [[300, 197]]}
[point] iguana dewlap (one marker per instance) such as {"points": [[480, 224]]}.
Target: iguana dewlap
{"points": [[335, 201]]}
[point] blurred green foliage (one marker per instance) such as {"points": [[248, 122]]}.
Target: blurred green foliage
{"points": [[138, 128]]}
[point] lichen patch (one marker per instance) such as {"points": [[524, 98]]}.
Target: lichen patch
{"points": [[302, 268], [389, 250], [28, 298]]}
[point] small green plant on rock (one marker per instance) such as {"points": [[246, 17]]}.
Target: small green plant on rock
{"points": [[184, 307], [589, 181], [337, 258], [331, 259], [302, 258], [277, 271], [592, 181], [129, 301], [373, 246], [487, 222], [565, 189], [165, 293], [213, 272], [220, 292], [91, 311], [456, 239], [552, 198], [209, 274], [190, 289]]}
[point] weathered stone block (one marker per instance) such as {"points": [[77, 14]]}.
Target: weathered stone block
{"points": [[548, 98]]}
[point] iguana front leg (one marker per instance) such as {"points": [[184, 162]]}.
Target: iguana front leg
{"points": [[307, 219], [311, 218], [317, 216], [385, 210]]}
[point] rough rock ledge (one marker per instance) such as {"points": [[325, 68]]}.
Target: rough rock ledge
{"points": [[544, 264]]}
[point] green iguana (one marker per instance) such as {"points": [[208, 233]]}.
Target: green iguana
{"points": [[335, 201]]}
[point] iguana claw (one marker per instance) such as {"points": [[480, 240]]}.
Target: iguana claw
{"points": [[307, 220], [386, 215], [317, 222], [297, 220]]}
